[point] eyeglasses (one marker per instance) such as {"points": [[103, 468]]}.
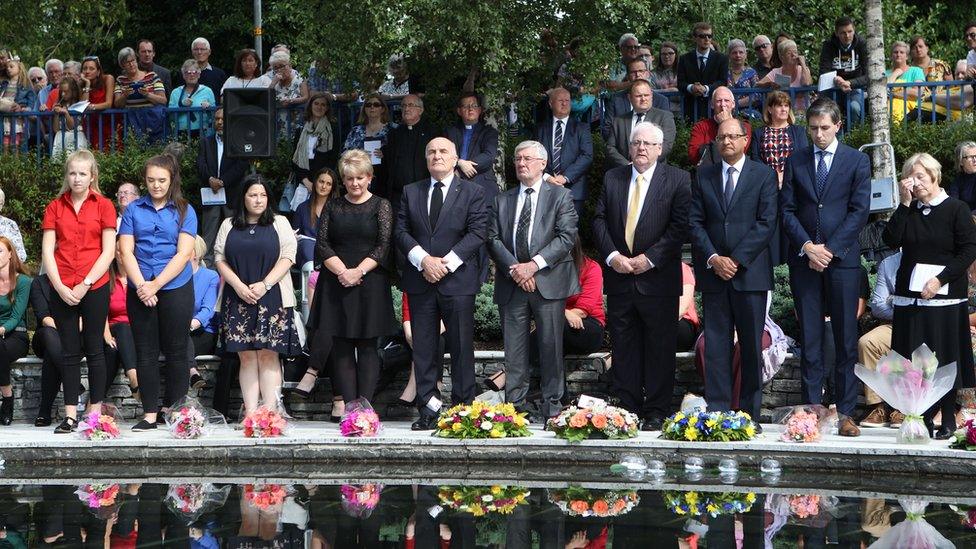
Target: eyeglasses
{"points": [[373, 105], [120, 194], [90, 58], [191, 72], [729, 136], [638, 143], [970, 158], [200, 49], [634, 47], [525, 159], [411, 105], [709, 36], [762, 46], [37, 79]]}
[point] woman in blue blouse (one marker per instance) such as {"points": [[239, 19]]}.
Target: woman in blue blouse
{"points": [[203, 325], [14, 295], [192, 94], [156, 239]]}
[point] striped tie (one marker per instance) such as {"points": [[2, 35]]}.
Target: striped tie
{"points": [[557, 149]]}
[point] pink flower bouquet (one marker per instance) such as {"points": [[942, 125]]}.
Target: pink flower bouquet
{"points": [[360, 420], [914, 531], [99, 498], [264, 423], [189, 419], [359, 501], [265, 497], [805, 423], [910, 386], [98, 426]]}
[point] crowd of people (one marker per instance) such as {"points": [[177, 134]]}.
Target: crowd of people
{"points": [[418, 206]]}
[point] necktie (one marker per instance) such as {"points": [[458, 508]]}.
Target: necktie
{"points": [[640, 118], [821, 171], [465, 143], [701, 62], [729, 185], [522, 230], [436, 202], [633, 212], [557, 149]]}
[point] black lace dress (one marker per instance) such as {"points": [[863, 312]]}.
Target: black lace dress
{"points": [[353, 232]]}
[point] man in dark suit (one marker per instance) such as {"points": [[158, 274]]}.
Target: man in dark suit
{"points": [[441, 227], [404, 153], [618, 144], [640, 223], [476, 143], [530, 235], [824, 204], [734, 210], [700, 71], [618, 103], [217, 171], [570, 147]]}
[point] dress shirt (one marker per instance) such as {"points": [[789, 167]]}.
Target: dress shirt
{"points": [[220, 151], [648, 174], [633, 119], [78, 235], [156, 234], [735, 182], [884, 288], [829, 161], [417, 254], [534, 197]]}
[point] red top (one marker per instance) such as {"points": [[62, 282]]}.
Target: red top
{"points": [[703, 133], [78, 237], [590, 298], [405, 308], [117, 312], [688, 277]]}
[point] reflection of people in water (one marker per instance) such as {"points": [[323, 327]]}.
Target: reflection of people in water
{"points": [[14, 520]]}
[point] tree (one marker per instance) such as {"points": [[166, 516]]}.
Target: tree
{"points": [[878, 90], [37, 30]]}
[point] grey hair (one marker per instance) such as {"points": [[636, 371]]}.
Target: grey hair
{"points": [[899, 44], [625, 37], [539, 149], [126, 53], [735, 43], [279, 57], [52, 61], [961, 148], [396, 59], [36, 70], [188, 64], [785, 45], [72, 66], [657, 134], [3, 199], [762, 37], [200, 40]]}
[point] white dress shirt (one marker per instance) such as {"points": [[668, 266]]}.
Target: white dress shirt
{"points": [[417, 253], [735, 182], [534, 197], [220, 152], [648, 174]]}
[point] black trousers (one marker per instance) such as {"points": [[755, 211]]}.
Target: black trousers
{"points": [[426, 312], [227, 374], [47, 345], [357, 367], [584, 341], [687, 335], [162, 327], [13, 347], [93, 312], [123, 355], [730, 311], [201, 343]]}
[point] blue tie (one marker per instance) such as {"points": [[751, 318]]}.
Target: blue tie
{"points": [[821, 171], [465, 142]]}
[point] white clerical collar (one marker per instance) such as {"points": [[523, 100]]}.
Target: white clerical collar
{"points": [[939, 199], [468, 126]]}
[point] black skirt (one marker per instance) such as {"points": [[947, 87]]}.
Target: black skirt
{"points": [[944, 329]]}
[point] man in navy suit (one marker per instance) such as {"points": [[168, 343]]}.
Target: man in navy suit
{"points": [[734, 210], [441, 228], [700, 71], [640, 223], [217, 171], [570, 147], [824, 204]]}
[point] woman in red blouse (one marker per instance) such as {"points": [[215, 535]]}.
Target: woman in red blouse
{"points": [[120, 346], [76, 250]]}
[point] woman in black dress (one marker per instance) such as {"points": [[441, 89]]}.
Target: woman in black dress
{"points": [[353, 303], [253, 252], [933, 231]]}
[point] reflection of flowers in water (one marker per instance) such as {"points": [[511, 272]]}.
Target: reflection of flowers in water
{"points": [[186, 498], [98, 495], [576, 501], [359, 501], [695, 503], [805, 506], [482, 500], [265, 496], [914, 531]]}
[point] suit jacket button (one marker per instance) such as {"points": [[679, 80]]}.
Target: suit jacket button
{"points": [[820, 206]]}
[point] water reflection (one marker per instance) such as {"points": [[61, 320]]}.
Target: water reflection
{"points": [[273, 514]]}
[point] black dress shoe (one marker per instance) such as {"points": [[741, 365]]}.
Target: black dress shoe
{"points": [[197, 382], [42, 421], [651, 424], [300, 393], [759, 430], [425, 423], [143, 425], [68, 425], [943, 433]]}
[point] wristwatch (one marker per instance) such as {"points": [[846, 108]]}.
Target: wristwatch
{"points": [[87, 282], [267, 287]]}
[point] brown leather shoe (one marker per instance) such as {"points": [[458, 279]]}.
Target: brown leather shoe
{"points": [[847, 428], [877, 417], [895, 419]]}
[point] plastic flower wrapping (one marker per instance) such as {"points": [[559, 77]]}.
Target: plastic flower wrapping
{"points": [[967, 516], [965, 437], [189, 501], [701, 426], [914, 531], [266, 497], [360, 420], [805, 423], [359, 501], [593, 417], [482, 500], [810, 510], [697, 504], [101, 425], [189, 419], [482, 420], [577, 501], [265, 422], [911, 387], [100, 499]]}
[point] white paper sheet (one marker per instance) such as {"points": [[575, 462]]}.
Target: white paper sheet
{"points": [[783, 81], [826, 81], [78, 107], [371, 146], [210, 198], [922, 273]]}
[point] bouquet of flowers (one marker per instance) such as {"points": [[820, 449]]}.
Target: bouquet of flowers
{"points": [[482, 500], [709, 426], [910, 386], [914, 531], [576, 501], [592, 417], [967, 516], [189, 419], [695, 504], [264, 422], [265, 497], [359, 501], [360, 420], [192, 500], [98, 498], [482, 420], [806, 423], [100, 425], [965, 437]]}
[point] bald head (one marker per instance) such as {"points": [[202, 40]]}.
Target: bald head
{"points": [[731, 139], [722, 103], [441, 157], [560, 102]]}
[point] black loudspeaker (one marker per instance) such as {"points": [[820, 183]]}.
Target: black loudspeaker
{"points": [[249, 122]]}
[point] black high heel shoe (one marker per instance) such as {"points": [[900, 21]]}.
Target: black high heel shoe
{"points": [[301, 393], [7, 410], [336, 418]]}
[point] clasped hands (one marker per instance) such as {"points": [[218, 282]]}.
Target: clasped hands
{"points": [[819, 256], [524, 275], [434, 268], [725, 267], [251, 293], [630, 265]]}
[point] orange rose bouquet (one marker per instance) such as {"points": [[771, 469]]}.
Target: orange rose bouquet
{"points": [[595, 419], [576, 501]]}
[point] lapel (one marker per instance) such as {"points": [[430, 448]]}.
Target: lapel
{"points": [[508, 228], [622, 202], [452, 195], [420, 203], [717, 182], [542, 203], [654, 193], [739, 190], [811, 159]]}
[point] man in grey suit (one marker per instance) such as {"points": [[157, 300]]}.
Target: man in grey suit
{"points": [[618, 144], [532, 229]]}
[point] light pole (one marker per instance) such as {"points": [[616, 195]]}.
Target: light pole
{"points": [[258, 31]]}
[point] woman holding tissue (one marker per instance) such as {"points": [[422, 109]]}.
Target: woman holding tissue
{"points": [[938, 240]]}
